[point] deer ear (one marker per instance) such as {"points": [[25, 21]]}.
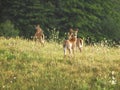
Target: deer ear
{"points": [[77, 29], [71, 30]]}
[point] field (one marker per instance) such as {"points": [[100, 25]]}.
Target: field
{"points": [[26, 65]]}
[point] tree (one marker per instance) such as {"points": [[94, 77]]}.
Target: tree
{"points": [[94, 18], [7, 29]]}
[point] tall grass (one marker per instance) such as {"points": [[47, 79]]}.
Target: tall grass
{"points": [[27, 65]]}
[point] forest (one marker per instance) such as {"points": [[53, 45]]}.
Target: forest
{"points": [[26, 64], [97, 19]]}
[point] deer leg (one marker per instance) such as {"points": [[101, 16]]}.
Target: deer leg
{"points": [[42, 42], [70, 51], [80, 49], [65, 49]]}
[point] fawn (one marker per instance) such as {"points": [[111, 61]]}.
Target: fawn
{"points": [[70, 43], [39, 35], [79, 43]]}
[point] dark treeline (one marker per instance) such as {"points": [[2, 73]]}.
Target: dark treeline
{"points": [[97, 19]]}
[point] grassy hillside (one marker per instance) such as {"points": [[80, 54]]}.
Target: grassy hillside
{"points": [[26, 65]]}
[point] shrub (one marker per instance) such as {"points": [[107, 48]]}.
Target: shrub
{"points": [[7, 29]]}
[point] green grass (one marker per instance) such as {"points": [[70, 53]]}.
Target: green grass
{"points": [[26, 65]]}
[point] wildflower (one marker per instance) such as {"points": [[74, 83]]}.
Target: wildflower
{"points": [[14, 77], [113, 82], [11, 81], [113, 79], [3, 86], [113, 72]]}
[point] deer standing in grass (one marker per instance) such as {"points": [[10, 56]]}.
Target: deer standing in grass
{"points": [[70, 43], [79, 43], [39, 35]]}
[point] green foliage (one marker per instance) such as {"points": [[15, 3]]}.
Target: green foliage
{"points": [[27, 65], [95, 18], [7, 29], [54, 35], [111, 28]]}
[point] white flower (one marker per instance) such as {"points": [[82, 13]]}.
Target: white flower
{"points": [[113, 78], [3, 86], [11, 81], [14, 77], [113, 72], [113, 82]]}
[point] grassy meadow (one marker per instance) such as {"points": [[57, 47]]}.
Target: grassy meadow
{"points": [[26, 65]]}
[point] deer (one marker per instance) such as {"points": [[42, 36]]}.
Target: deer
{"points": [[79, 43], [39, 35], [70, 43]]}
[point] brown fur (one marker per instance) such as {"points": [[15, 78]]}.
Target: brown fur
{"points": [[79, 44], [39, 35], [70, 43]]}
